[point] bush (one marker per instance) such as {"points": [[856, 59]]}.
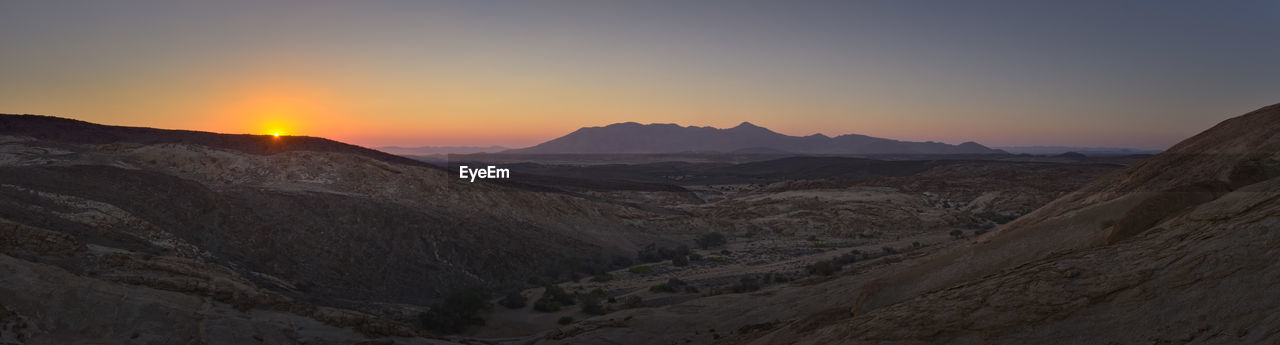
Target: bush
{"points": [[555, 293], [603, 277], [661, 288], [652, 253], [889, 250], [591, 305], [915, 244], [598, 293], [695, 257], [957, 234], [746, 284], [514, 300], [726, 252], [823, 268], [564, 320], [711, 240], [671, 286], [642, 269], [546, 305], [456, 312], [680, 261]]}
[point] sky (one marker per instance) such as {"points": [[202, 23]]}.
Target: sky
{"points": [[1140, 74]]}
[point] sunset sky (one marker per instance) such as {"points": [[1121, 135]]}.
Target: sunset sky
{"points": [[1141, 74]]}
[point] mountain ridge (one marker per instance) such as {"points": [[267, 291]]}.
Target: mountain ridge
{"points": [[634, 137]]}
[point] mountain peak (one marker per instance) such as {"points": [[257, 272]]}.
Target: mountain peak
{"points": [[745, 124]]}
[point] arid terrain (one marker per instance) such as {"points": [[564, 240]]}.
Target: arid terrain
{"points": [[128, 235]]}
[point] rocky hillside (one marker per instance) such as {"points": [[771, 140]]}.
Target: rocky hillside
{"points": [[1181, 248], [746, 138], [291, 224]]}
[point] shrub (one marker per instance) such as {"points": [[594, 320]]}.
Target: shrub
{"points": [[642, 269], [889, 250], [564, 320], [957, 234], [695, 257], [823, 268], [603, 277], [591, 305], [819, 245], [514, 300], [717, 259], [455, 313], [725, 252], [680, 261], [597, 292], [711, 240], [662, 288], [915, 244], [546, 305], [555, 293], [653, 253], [746, 284]]}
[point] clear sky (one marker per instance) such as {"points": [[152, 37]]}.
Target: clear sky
{"points": [[1142, 74]]}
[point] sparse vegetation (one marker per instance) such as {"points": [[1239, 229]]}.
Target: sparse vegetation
{"points": [[956, 234], [642, 269], [603, 277]]}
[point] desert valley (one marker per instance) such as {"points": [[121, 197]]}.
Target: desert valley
{"points": [[141, 236]]}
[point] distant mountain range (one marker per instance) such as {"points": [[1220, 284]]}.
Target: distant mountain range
{"points": [[631, 137], [440, 150], [1087, 151]]}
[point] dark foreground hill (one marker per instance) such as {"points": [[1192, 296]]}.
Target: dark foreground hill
{"points": [[293, 225]]}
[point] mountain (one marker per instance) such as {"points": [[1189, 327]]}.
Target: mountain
{"points": [[631, 137]]}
